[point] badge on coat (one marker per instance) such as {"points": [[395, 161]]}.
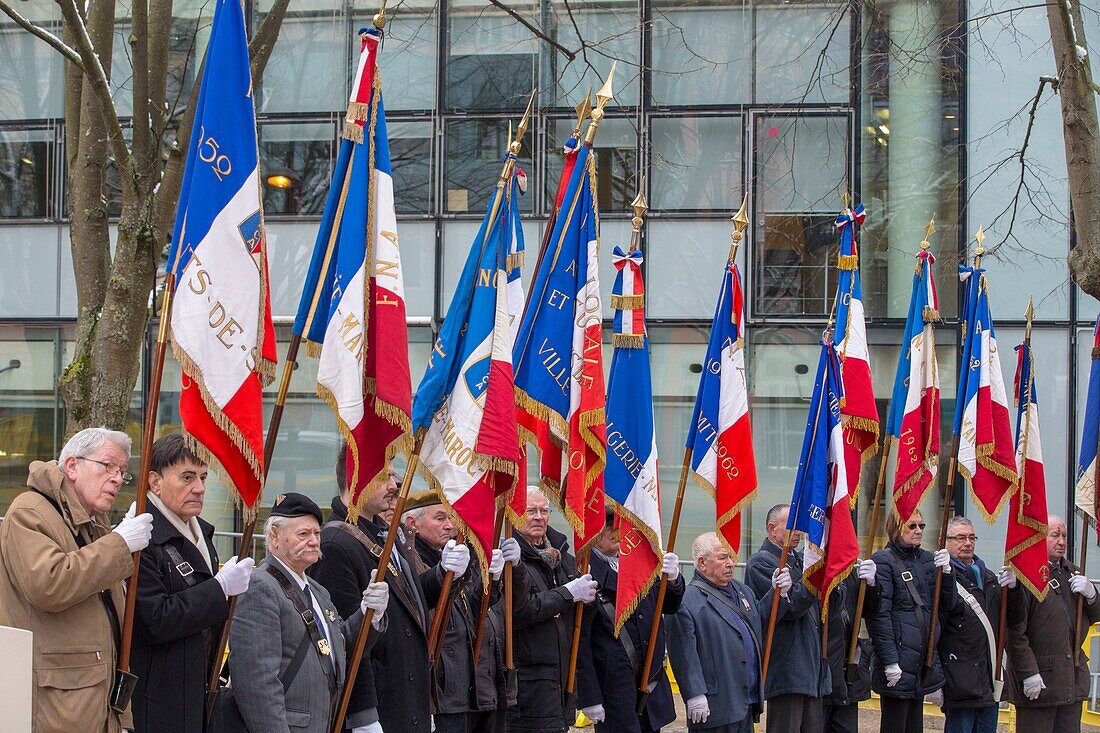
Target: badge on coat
{"points": [[332, 617]]}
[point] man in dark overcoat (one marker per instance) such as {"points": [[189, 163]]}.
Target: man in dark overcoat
{"points": [[1048, 674], [606, 694], [393, 688], [181, 601], [841, 706]]}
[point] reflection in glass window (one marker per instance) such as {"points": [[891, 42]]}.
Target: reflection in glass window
{"points": [[187, 39], [411, 158], [701, 55], [28, 279], [26, 164], [802, 53], [296, 162], [685, 261], [696, 163], [408, 61], [491, 58], [608, 35], [308, 68], [474, 155], [30, 75], [616, 162], [801, 164]]}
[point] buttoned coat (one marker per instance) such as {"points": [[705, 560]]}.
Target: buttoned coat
{"points": [[708, 653], [606, 675], [51, 586], [964, 645], [176, 626], [393, 685], [1042, 640], [265, 634]]}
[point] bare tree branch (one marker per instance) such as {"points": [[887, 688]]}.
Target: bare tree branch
{"points": [[44, 34], [538, 32], [144, 152], [263, 41]]}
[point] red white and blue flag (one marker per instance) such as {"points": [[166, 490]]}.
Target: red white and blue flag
{"points": [[631, 474], [352, 312], [1025, 540], [914, 417], [820, 503], [858, 410], [466, 401], [221, 318], [986, 452], [1085, 494], [558, 359], [720, 434]]}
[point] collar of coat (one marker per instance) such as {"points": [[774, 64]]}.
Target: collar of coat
{"points": [[768, 546], [166, 530], [48, 478], [554, 539], [909, 552]]}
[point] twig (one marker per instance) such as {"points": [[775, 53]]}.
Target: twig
{"points": [[67, 51], [538, 32]]}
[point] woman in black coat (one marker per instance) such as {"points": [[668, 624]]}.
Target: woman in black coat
{"points": [[906, 578]]}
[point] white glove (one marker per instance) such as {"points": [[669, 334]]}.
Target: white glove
{"points": [[374, 727], [698, 709], [942, 560], [455, 557], [1082, 585], [781, 579], [137, 531], [582, 589], [496, 565], [1007, 578], [376, 596], [595, 713], [510, 549], [1033, 685], [867, 570], [893, 674], [935, 697], [234, 575], [670, 565]]}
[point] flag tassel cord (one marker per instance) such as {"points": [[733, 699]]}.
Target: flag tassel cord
{"points": [[880, 487], [387, 550], [249, 529], [662, 587], [125, 681]]}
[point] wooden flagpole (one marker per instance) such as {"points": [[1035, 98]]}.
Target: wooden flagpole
{"points": [[483, 613], [125, 681]]}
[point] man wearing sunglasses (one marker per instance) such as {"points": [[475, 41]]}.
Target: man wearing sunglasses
{"points": [[61, 573], [968, 644]]}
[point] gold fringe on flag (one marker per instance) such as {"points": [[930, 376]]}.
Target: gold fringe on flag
{"points": [[514, 260], [353, 127], [627, 302], [628, 340], [1096, 352], [931, 315], [847, 262]]}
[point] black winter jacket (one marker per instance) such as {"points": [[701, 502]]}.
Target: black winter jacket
{"points": [[900, 628], [842, 610], [964, 643]]}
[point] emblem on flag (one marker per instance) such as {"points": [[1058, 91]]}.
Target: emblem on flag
{"points": [[914, 417], [221, 321], [352, 312]]}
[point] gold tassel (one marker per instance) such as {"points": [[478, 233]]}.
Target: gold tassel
{"points": [[313, 349], [1096, 352], [847, 262], [931, 315], [514, 260], [357, 113], [627, 302], [627, 340]]}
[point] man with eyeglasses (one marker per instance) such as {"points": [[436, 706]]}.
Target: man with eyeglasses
{"points": [[1048, 674], [61, 573], [968, 645]]}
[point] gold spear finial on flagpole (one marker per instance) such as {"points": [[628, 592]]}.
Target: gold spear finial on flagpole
{"points": [[380, 16], [928, 232], [640, 207], [980, 249], [846, 198], [602, 98], [1029, 314], [521, 130], [740, 223], [584, 109]]}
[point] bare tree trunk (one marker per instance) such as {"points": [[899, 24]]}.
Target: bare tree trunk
{"points": [[1080, 130]]}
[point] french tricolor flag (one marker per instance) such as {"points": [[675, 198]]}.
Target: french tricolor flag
{"points": [[1085, 495], [1025, 540], [465, 402], [352, 312], [914, 417], [859, 411], [986, 452], [558, 359], [720, 434], [631, 474], [221, 319]]}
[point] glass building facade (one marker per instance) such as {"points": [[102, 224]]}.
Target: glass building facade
{"points": [[918, 107]]}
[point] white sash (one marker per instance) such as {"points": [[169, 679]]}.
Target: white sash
{"points": [[998, 685]]}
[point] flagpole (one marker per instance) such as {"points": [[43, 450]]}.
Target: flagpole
{"points": [[483, 613], [125, 681], [443, 605], [249, 529], [948, 496]]}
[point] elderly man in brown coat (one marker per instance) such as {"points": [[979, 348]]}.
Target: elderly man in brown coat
{"points": [[61, 573], [1048, 675]]}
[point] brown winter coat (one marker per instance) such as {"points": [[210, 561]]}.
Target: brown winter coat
{"points": [[50, 586], [1042, 640]]}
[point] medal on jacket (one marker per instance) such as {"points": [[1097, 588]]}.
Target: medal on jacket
{"points": [[323, 647]]}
